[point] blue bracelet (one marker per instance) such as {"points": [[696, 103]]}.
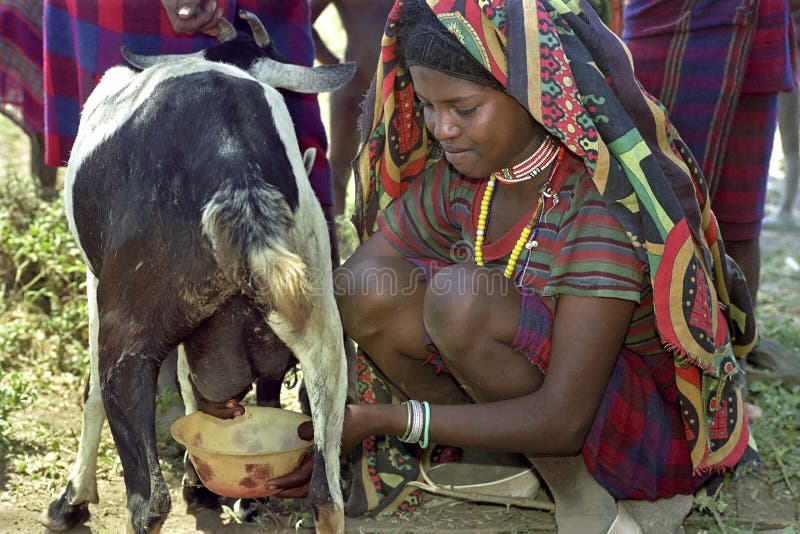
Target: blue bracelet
{"points": [[426, 425]]}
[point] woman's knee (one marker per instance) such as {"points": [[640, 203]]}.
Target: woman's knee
{"points": [[457, 301], [369, 293]]}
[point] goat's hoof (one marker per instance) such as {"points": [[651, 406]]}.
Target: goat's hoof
{"points": [[197, 497], [61, 515]]}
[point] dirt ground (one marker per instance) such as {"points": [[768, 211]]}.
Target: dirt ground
{"points": [[757, 509], [109, 515]]}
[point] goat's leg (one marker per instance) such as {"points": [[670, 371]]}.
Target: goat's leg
{"points": [[128, 383], [72, 506], [268, 392], [320, 350], [130, 355]]}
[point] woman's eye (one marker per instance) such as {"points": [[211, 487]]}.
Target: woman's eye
{"points": [[465, 111]]}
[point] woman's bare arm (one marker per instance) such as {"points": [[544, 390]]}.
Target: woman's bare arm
{"points": [[587, 336]]}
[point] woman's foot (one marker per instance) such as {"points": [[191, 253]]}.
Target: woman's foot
{"points": [[582, 505], [664, 516]]}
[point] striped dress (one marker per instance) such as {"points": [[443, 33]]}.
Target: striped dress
{"points": [[637, 447]]}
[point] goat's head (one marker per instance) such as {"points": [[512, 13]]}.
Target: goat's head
{"points": [[256, 54]]}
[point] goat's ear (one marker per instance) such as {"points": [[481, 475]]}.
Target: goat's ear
{"points": [[302, 79], [141, 62], [309, 156]]}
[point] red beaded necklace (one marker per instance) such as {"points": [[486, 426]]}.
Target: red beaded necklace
{"points": [[527, 238], [532, 166]]}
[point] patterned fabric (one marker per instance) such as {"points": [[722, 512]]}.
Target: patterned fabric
{"points": [[769, 64], [83, 39], [610, 12], [636, 447], [739, 46], [21, 60], [383, 464], [669, 47], [575, 77]]}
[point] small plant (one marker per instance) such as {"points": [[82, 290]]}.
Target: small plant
{"points": [[777, 432], [228, 516], [714, 504], [346, 236], [16, 394], [169, 405]]}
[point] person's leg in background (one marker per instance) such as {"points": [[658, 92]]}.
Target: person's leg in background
{"points": [[739, 199], [362, 21], [789, 126], [739, 206]]}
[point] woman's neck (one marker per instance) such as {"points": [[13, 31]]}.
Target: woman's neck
{"points": [[532, 165], [535, 143]]}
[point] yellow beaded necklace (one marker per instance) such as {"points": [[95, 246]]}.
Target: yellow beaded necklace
{"points": [[527, 238]]}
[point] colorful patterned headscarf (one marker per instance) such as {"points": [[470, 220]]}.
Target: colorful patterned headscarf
{"points": [[576, 78]]}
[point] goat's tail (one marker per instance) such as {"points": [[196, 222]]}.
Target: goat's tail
{"points": [[247, 228]]}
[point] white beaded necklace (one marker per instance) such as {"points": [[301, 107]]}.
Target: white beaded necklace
{"points": [[527, 238], [532, 166]]}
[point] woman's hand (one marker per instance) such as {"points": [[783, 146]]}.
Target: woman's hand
{"points": [[224, 410], [295, 484], [187, 16]]}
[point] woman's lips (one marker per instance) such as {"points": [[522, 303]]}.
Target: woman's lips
{"points": [[455, 154]]}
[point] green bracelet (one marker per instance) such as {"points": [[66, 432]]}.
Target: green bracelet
{"points": [[426, 425]]}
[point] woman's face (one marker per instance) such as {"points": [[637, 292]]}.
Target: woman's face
{"points": [[481, 129]]}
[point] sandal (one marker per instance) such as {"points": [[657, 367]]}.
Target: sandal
{"points": [[481, 481]]}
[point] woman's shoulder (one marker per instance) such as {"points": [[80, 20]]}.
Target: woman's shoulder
{"points": [[575, 181], [585, 215]]}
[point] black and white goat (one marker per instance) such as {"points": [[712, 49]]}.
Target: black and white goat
{"points": [[189, 197]]}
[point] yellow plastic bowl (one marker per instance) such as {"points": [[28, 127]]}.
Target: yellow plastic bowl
{"points": [[236, 457]]}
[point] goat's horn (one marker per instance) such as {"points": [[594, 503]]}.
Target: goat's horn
{"points": [[225, 30], [260, 34], [141, 62]]}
